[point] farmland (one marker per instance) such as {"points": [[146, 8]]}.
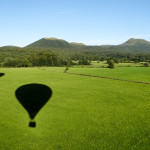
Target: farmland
{"points": [[84, 113]]}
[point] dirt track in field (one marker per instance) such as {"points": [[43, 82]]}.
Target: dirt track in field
{"points": [[108, 78]]}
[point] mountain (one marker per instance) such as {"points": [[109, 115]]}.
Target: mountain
{"points": [[54, 43], [50, 42], [137, 42], [139, 45]]}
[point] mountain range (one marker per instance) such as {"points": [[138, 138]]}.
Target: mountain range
{"points": [[131, 45], [54, 43]]}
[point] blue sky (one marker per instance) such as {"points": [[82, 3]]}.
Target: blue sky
{"points": [[93, 22]]}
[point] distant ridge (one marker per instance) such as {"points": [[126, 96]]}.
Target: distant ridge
{"points": [[10, 47], [54, 43], [60, 43], [50, 42], [133, 41], [139, 45], [79, 44]]}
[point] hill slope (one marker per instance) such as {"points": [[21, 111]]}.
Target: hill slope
{"points": [[137, 42], [132, 44], [50, 42], [139, 45]]}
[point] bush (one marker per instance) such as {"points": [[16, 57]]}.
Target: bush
{"points": [[146, 64], [110, 63], [116, 61], [84, 62], [66, 69]]}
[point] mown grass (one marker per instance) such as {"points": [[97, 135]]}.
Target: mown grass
{"points": [[84, 113]]}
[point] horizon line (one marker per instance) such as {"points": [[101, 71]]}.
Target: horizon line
{"points": [[79, 42]]}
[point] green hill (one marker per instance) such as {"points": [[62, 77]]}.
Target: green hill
{"points": [[134, 42], [50, 42], [130, 45], [54, 43]]}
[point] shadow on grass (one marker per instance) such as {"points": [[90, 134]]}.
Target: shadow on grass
{"points": [[2, 74], [33, 97]]}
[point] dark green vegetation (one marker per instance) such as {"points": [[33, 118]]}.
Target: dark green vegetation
{"points": [[57, 52], [84, 113], [111, 63]]}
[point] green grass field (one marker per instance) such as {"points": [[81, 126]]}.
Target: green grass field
{"points": [[103, 64], [84, 113], [128, 73]]}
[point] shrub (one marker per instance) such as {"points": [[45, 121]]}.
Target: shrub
{"points": [[146, 64], [66, 69], [84, 62], [110, 63]]}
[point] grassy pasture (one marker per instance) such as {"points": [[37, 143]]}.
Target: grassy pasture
{"points": [[103, 64], [84, 113], [127, 73]]}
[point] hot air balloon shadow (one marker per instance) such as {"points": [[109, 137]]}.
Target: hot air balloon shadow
{"points": [[2, 74], [33, 97]]}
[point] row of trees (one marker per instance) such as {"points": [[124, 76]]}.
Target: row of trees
{"points": [[111, 63], [39, 59]]}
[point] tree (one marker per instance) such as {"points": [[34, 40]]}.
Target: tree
{"points": [[116, 60], [110, 63], [9, 62]]}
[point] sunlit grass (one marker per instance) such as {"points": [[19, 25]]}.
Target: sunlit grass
{"points": [[84, 113]]}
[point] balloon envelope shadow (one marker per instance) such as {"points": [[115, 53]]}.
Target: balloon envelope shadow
{"points": [[2, 74], [33, 97]]}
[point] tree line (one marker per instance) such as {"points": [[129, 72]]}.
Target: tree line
{"points": [[28, 57], [40, 59]]}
